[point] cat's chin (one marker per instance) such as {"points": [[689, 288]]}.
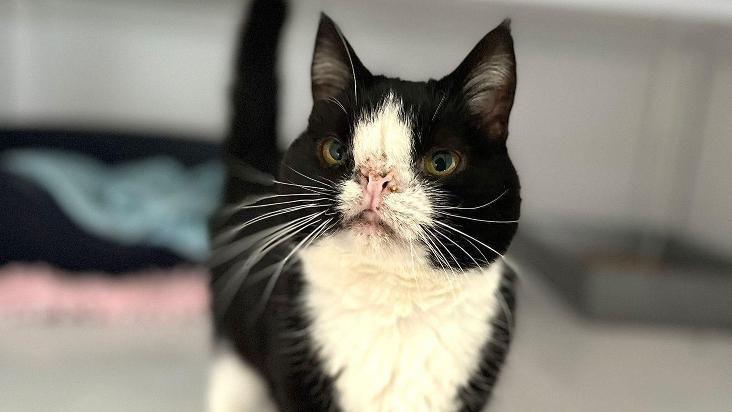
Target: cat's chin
{"points": [[370, 229], [368, 223]]}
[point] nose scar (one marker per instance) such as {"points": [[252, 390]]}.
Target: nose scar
{"points": [[375, 188]]}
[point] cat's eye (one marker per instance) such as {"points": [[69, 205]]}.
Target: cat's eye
{"points": [[332, 151], [441, 162]]}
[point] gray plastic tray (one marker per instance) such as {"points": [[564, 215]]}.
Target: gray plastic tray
{"points": [[620, 274]]}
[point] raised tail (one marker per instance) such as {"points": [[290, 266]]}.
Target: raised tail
{"points": [[251, 144]]}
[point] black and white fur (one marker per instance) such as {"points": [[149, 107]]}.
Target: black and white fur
{"points": [[317, 311]]}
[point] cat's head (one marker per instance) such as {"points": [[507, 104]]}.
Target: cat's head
{"points": [[401, 164]]}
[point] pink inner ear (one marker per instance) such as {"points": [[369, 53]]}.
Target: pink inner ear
{"points": [[335, 66], [489, 89], [495, 121], [488, 76]]}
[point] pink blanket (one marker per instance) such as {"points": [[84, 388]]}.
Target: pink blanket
{"points": [[41, 292]]}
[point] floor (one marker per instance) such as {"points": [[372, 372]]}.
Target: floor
{"points": [[558, 363]]}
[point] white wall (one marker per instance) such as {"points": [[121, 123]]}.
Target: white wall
{"points": [[126, 64], [8, 31], [582, 80], [710, 215], [619, 117]]}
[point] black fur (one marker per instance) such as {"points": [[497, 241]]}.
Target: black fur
{"points": [[475, 395], [488, 172], [262, 314], [252, 135]]}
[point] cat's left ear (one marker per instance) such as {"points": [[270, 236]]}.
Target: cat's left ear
{"points": [[487, 81], [335, 67]]}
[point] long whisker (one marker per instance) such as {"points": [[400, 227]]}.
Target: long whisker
{"points": [[446, 248], [439, 106], [444, 258], [258, 275], [227, 234], [350, 60], [411, 255], [228, 293], [230, 209], [468, 236], [273, 280], [476, 219], [504, 306], [474, 207], [325, 185], [225, 253], [284, 203], [248, 173], [313, 189], [241, 271], [222, 254], [460, 247], [507, 312], [338, 103], [242, 268], [479, 250], [273, 243], [444, 264]]}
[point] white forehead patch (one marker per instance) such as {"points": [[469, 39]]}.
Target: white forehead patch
{"points": [[382, 140], [383, 143]]}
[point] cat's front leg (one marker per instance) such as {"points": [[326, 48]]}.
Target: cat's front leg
{"points": [[235, 386]]}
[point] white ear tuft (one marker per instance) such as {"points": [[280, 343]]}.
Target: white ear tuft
{"points": [[487, 78], [335, 66]]}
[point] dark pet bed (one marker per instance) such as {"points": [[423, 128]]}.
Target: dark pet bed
{"points": [[33, 228]]}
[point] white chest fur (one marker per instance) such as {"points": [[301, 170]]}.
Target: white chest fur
{"points": [[398, 338]]}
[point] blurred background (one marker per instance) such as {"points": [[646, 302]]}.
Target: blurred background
{"points": [[110, 116]]}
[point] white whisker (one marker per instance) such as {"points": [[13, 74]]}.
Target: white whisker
{"points": [[504, 306], [506, 311], [230, 209], [240, 272], [446, 249], [273, 280], [461, 248], [284, 203], [338, 103], [468, 236], [228, 233], [325, 185], [444, 264], [439, 106], [313, 189], [270, 244], [475, 207], [224, 253], [350, 60], [476, 219], [444, 258]]}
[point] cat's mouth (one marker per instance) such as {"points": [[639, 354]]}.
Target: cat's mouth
{"points": [[369, 222]]}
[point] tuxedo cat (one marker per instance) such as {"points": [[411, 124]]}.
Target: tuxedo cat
{"points": [[362, 269]]}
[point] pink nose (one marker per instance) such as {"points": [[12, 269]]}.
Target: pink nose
{"points": [[375, 187]]}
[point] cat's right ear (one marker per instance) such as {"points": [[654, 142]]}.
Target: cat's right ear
{"points": [[335, 66], [487, 81]]}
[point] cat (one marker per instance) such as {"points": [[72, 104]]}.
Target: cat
{"points": [[362, 269]]}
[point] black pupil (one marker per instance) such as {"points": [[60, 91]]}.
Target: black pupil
{"points": [[442, 161], [336, 151]]}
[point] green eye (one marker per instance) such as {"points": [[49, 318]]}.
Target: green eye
{"points": [[441, 162], [332, 152]]}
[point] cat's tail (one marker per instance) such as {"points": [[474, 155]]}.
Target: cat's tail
{"points": [[252, 138]]}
